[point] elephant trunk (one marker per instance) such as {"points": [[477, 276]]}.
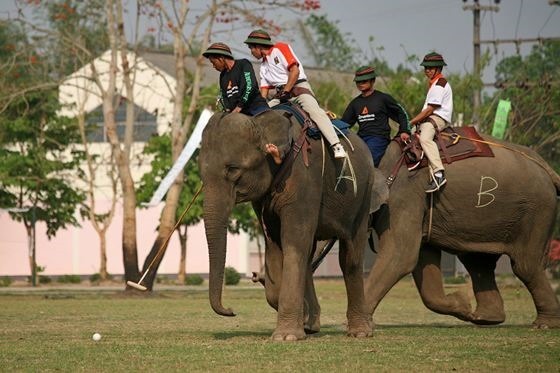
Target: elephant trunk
{"points": [[216, 214]]}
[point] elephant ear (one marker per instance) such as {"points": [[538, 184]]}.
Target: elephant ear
{"points": [[275, 129], [380, 192]]}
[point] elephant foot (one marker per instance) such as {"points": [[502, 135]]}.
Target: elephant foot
{"points": [[547, 322], [288, 336], [486, 316], [460, 306], [481, 319], [312, 325], [360, 328], [312, 319]]}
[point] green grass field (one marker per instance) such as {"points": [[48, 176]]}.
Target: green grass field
{"points": [[175, 330]]}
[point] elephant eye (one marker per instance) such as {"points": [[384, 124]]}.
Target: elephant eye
{"points": [[233, 173]]}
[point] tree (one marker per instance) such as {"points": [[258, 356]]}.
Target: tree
{"points": [[531, 84], [329, 47], [187, 88], [38, 162], [158, 147]]}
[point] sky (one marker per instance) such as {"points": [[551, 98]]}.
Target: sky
{"points": [[405, 27], [401, 28]]}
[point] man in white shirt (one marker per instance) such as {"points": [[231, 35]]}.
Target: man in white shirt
{"points": [[437, 112], [281, 70]]}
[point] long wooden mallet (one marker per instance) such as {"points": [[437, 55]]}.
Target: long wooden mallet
{"points": [[138, 285]]}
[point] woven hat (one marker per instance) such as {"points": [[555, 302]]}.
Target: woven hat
{"points": [[259, 37], [364, 73], [433, 60], [218, 49]]}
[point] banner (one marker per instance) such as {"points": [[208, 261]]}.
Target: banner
{"points": [[183, 158], [500, 121]]}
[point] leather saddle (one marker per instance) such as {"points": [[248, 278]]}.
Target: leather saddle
{"points": [[293, 109], [454, 143]]}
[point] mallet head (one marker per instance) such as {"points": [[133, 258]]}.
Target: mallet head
{"points": [[136, 286]]}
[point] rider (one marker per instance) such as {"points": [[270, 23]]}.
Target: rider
{"points": [[436, 114], [239, 91], [281, 69], [372, 110]]}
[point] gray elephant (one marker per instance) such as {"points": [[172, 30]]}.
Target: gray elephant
{"points": [[316, 202], [489, 207]]}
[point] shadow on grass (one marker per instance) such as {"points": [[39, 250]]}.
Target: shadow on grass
{"points": [[242, 333], [447, 326]]}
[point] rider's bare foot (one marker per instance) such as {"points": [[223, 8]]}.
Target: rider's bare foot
{"points": [[274, 152]]}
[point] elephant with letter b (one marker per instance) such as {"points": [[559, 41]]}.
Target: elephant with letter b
{"points": [[318, 201], [501, 205]]}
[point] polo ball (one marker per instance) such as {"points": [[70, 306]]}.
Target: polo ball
{"points": [[96, 337]]}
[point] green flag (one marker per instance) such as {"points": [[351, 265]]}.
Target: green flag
{"points": [[500, 121]]}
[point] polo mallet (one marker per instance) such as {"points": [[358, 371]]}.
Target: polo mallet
{"points": [[138, 285]]}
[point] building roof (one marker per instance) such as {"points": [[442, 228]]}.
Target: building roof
{"points": [[165, 61]]}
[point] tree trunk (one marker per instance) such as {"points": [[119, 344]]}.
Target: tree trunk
{"points": [[182, 274], [103, 274]]}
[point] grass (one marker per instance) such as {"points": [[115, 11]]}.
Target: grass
{"points": [[177, 331]]}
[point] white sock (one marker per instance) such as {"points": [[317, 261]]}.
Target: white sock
{"points": [[438, 173]]}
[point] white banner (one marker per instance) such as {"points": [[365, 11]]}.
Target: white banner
{"points": [[183, 158]]}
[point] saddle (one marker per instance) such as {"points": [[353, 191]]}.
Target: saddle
{"points": [[293, 109], [454, 144]]}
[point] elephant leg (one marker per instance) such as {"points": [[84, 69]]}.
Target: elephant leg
{"points": [[429, 281], [312, 310], [397, 257], [351, 263], [489, 302], [296, 249], [273, 273], [528, 266]]}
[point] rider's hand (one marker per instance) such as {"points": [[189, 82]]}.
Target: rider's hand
{"points": [[283, 96], [405, 136]]}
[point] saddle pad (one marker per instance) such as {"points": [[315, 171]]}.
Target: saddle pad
{"points": [[466, 146], [313, 131]]}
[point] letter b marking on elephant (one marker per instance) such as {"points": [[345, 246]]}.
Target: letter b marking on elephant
{"points": [[487, 185]]}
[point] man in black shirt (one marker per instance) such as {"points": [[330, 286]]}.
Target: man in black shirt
{"points": [[239, 91], [372, 110]]}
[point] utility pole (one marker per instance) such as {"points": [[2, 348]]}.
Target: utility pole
{"points": [[476, 8]]}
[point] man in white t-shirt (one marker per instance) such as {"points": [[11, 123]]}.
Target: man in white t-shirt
{"points": [[281, 70], [437, 112]]}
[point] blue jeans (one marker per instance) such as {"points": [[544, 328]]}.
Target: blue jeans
{"points": [[377, 146]]}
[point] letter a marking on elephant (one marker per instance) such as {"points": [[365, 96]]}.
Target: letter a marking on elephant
{"points": [[484, 181], [347, 165]]}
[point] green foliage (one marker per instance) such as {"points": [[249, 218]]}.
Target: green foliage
{"points": [[531, 84], [40, 162], [95, 278], [5, 282], [194, 280], [45, 280], [69, 279], [160, 148], [231, 276], [331, 48], [331, 97]]}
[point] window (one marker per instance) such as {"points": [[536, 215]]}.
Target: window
{"points": [[145, 125]]}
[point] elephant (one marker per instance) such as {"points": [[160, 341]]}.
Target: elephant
{"points": [[318, 201], [490, 206]]}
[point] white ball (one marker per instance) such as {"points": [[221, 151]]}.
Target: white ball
{"points": [[96, 337]]}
